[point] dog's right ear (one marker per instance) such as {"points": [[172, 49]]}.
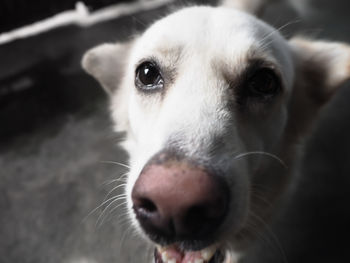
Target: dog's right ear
{"points": [[106, 63]]}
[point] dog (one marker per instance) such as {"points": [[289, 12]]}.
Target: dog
{"points": [[215, 105]]}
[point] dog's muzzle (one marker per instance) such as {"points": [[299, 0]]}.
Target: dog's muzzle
{"points": [[180, 206]]}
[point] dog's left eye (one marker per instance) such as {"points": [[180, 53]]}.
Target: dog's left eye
{"points": [[263, 83], [148, 77]]}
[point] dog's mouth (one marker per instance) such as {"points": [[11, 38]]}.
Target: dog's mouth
{"points": [[173, 254]]}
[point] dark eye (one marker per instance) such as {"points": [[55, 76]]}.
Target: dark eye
{"points": [[264, 83], [148, 76]]}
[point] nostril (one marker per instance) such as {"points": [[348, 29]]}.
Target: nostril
{"points": [[196, 214], [194, 218], [148, 214], [145, 206], [201, 219]]}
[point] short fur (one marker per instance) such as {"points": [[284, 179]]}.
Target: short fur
{"points": [[204, 51]]}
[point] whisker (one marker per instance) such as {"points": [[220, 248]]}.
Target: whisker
{"points": [[116, 207], [102, 204], [280, 28], [260, 197], [139, 21], [115, 199], [272, 234], [121, 178], [239, 156], [261, 187], [118, 163], [110, 212], [114, 188], [123, 219], [254, 229], [125, 234], [263, 46]]}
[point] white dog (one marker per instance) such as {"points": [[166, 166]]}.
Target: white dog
{"points": [[214, 104]]}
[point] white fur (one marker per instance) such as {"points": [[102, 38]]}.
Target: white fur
{"points": [[201, 45]]}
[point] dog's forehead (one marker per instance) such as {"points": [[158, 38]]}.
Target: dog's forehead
{"points": [[208, 28], [202, 26], [225, 35]]}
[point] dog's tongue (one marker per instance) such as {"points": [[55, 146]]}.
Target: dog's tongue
{"points": [[173, 255], [180, 257]]}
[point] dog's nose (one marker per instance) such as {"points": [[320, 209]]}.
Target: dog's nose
{"points": [[179, 201]]}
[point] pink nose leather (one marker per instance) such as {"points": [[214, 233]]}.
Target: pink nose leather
{"points": [[175, 199]]}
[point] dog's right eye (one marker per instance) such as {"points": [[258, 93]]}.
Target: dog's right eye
{"points": [[148, 77]]}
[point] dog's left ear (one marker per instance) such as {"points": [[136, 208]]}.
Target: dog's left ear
{"points": [[321, 67], [107, 63]]}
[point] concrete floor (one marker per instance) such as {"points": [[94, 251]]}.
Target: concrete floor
{"points": [[56, 141]]}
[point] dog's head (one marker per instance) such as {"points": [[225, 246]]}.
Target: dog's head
{"points": [[213, 102]]}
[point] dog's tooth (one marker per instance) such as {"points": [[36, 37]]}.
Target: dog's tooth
{"points": [[166, 259], [208, 252], [164, 256], [199, 260]]}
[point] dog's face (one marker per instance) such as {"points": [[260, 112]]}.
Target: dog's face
{"points": [[212, 101]]}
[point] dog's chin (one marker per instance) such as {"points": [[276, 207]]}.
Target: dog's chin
{"points": [[176, 254]]}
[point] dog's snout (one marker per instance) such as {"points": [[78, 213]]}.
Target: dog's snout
{"points": [[178, 201]]}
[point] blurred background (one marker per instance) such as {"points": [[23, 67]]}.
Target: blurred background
{"points": [[58, 151]]}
